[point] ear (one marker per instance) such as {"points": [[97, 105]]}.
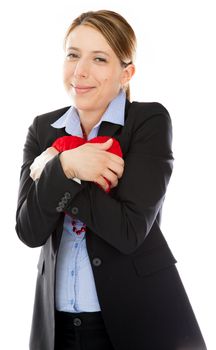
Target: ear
{"points": [[127, 74]]}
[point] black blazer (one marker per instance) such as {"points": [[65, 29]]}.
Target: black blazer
{"points": [[142, 299]]}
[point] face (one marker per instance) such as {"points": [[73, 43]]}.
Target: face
{"points": [[93, 75]]}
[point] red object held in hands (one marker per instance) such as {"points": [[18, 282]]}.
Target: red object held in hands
{"points": [[65, 143]]}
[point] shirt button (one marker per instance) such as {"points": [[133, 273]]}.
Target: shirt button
{"points": [[76, 245], [74, 210], [77, 322], [97, 262], [72, 273]]}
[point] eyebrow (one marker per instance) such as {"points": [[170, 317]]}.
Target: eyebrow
{"points": [[94, 51]]}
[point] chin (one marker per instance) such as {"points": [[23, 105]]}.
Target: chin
{"points": [[83, 105], [84, 102]]}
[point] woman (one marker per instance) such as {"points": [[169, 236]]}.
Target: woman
{"points": [[106, 276]]}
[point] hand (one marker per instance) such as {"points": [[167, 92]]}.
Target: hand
{"points": [[91, 162], [39, 163]]}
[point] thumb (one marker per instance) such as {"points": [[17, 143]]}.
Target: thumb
{"points": [[106, 145]]}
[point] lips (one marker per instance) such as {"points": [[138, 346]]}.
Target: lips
{"points": [[80, 89], [82, 86]]}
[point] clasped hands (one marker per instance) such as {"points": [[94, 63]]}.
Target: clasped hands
{"points": [[88, 162]]}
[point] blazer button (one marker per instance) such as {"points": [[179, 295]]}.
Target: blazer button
{"points": [[67, 195], [74, 210], [97, 261], [77, 321], [59, 209], [64, 200]]}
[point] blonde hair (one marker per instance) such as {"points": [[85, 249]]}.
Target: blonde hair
{"points": [[115, 29]]}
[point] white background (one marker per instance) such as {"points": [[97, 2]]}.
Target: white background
{"points": [[175, 66]]}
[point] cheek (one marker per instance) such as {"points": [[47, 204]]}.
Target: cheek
{"points": [[67, 71], [111, 79], [111, 83]]}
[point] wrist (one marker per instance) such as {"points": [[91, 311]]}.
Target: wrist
{"points": [[68, 171]]}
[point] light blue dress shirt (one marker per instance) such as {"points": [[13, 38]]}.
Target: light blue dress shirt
{"points": [[75, 286]]}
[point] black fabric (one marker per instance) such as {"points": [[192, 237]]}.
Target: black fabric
{"points": [[81, 331]]}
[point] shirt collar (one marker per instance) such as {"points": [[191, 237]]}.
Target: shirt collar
{"points": [[113, 114]]}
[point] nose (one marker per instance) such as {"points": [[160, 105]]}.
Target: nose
{"points": [[81, 68]]}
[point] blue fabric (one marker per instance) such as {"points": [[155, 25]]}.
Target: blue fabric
{"points": [[75, 285]]}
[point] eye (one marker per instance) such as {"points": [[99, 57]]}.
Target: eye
{"points": [[72, 56], [100, 59]]}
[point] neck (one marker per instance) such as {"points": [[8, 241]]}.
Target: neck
{"points": [[89, 119]]}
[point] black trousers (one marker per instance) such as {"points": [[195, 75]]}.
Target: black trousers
{"points": [[81, 331]]}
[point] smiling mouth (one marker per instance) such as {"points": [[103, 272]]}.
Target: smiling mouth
{"points": [[79, 89]]}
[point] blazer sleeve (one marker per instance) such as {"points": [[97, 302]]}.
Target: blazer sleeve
{"points": [[125, 218], [40, 202]]}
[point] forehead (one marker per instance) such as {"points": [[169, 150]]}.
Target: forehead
{"points": [[86, 38]]}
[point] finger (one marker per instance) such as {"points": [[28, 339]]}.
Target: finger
{"points": [[118, 169], [113, 157], [112, 185], [105, 145], [111, 177], [101, 181]]}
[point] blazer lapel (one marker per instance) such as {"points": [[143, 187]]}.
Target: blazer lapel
{"points": [[111, 129], [108, 129]]}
